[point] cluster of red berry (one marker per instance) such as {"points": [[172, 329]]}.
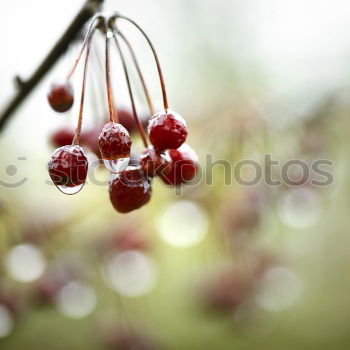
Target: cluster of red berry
{"points": [[169, 158]]}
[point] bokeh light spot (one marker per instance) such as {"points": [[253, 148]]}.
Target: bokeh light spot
{"points": [[131, 274], [25, 263], [6, 322], [76, 300], [183, 224], [278, 290], [300, 208]]}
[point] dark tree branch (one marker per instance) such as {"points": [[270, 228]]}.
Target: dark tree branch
{"points": [[89, 9]]}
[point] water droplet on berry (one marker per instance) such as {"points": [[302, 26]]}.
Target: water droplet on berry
{"points": [[68, 169], [117, 165], [70, 190]]}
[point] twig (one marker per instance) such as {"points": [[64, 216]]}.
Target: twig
{"points": [[89, 9]]}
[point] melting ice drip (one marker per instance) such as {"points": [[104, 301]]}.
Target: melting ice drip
{"points": [[70, 190], [117, 165]]}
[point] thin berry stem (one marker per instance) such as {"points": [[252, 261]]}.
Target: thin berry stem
{"points": [[113, 113], [76, 139], [93, 25], [139, 72], [127, 78], [159, 68], [87, 11]]}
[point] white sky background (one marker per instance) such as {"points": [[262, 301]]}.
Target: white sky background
{"points": [[301, 47]]}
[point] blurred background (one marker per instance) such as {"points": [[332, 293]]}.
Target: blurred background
{"points": [[215, 264]]}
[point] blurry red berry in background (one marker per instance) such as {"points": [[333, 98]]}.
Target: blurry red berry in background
{"points": [[12, 300], [243, 217], [62, 137], [114, 142], [129, 190], [226, 291], [61, 96], [47, 288], [183, 166], [125, 237], [145, 118], [128, 339], [127, 119], [89, 139], [131, 240], [68, 166], [36, 234], [154, 163], [167, 130], [59, 272]]}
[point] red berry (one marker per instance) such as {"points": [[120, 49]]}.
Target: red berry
{"points": [[114, 142], [167, 130], [62, 137], [154, 163], [68, 168], [130, 190], [183, 166], [61, 96]]}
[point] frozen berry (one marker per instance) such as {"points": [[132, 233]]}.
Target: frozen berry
{"points": [[114, 141], [115, 145], [154, 163], [61, 96], [62, 137], [167, 130], [183, 166], [130, 190], [68, 168]]}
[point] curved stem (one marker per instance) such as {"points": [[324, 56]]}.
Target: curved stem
{"points": [[80, 120], [139, 72], [93, 25], [87, 11], [113, 113], [127, 78], [161, 77], [95, 61]]}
